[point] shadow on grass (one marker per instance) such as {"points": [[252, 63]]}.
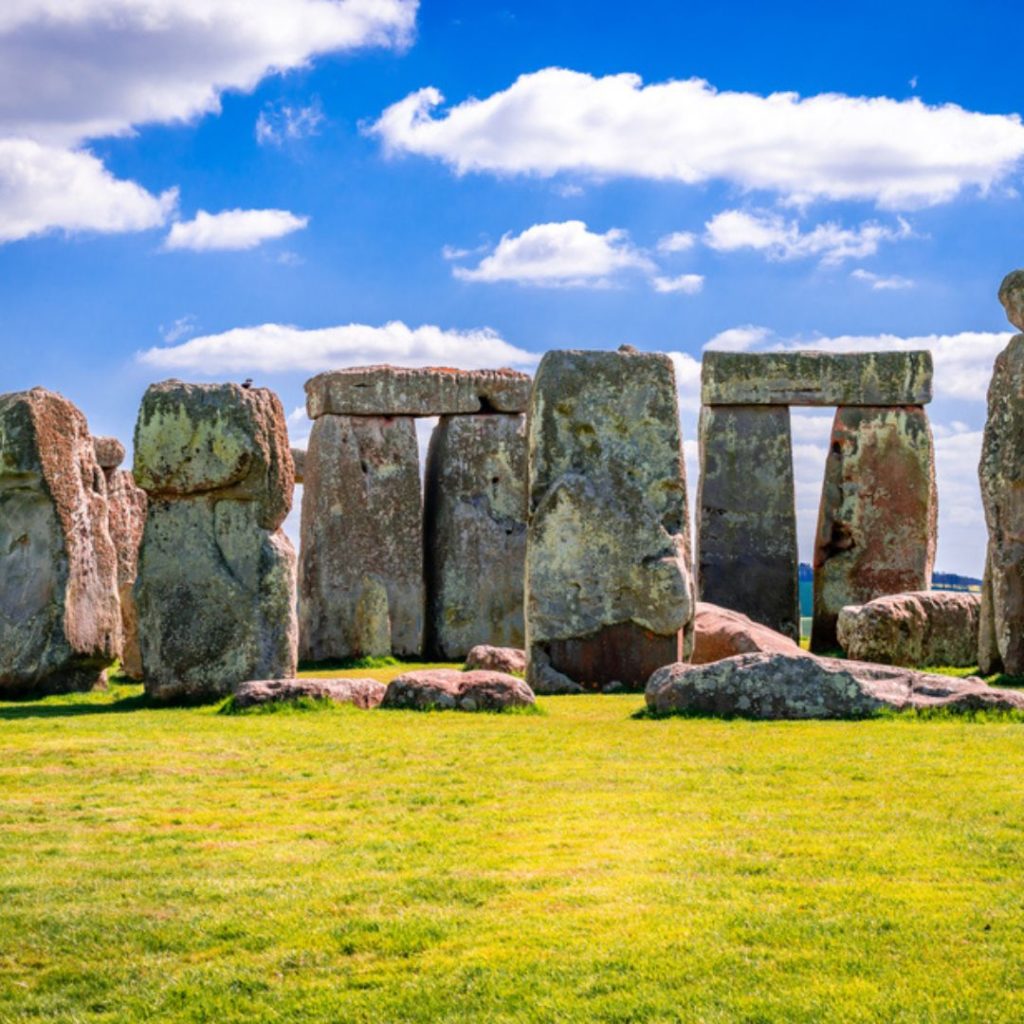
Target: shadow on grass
{"points": [[92, 703]]}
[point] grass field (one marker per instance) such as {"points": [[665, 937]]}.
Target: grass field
{"points": [[576, 865]]}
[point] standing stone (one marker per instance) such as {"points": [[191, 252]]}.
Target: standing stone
{"points": [[126, 506], [361, 576], [299, 462], [609, 594], [747, 553], [216, 578], [876, 524], [59, 617], [475, 534]]}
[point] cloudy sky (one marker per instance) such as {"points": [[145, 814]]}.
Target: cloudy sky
{"points": [[219, 189]]}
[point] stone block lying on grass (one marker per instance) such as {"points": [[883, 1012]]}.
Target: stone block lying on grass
{"points": [[780, 686], [497, 659], [440, 688], [721, 633], [363, 693]]}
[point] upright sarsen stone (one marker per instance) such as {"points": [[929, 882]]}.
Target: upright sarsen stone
{"points": [[475, 533], [747, 553], [126, 507], [361, 575], [59, 616], [609, 594], [215, 589], [876, 524]]}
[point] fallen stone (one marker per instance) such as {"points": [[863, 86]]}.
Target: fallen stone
{"points": [[816, 378], [405, 391], [497, 659], [127, 506], [781, 686], [299, 462], [60, 623], [363, 693], [109, 452], [445, 688], [720, 633], [877, 522], [475, 534], [747, 557], [361, 576], [1011, 295], [914, 630], [609, 592]]}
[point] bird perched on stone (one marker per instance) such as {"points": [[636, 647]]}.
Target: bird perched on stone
{"points": [[247, 383]]}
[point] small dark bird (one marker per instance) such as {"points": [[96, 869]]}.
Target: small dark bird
{"points": [[247, 383]]}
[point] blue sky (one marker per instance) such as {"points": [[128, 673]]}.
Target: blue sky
{"points": [[218, 189]]}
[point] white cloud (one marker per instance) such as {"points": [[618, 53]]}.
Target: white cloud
{"points": [[783, 240], [561, 255], [678, 241], [181, 328], [279, 348], [738, 339], [897, 153], [688, 284], [279, 123], [232, 229], [881, 283]]}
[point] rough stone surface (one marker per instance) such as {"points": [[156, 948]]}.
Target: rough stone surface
{"points": [[60, 625], [109, 452], [475, 533], [127, 505], [299, 462], [361, 577], [426, 391], [816, 378], [747, 556], [801, 686], [609, 593], [877, 521], [445, 688], [497, 659], [363, 693], [215, 591], [720, 633], [937, 627], [1002, 491], [1011, 295]]}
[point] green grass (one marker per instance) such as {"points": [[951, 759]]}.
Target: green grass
{"points": [[333, 865]]}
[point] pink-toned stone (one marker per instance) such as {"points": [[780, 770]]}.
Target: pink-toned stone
{"points": [[444, 688], [362, 693], [126, 505], [109, 452], [509, 660], [720, 633]]}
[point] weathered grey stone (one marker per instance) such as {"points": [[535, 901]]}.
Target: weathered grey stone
{"points": [[420, 391], [928, 628], [782, 686], [816, 378], [215, 590], [720, 633], [109, 452], [361, 577], [126, 505], [60, 625], [362, 693], [445, 688], [475, 533], [1002, 491], [497, 659], [299, 462], [1011, 295], [876, 524], [747, 556], [609, 594]]}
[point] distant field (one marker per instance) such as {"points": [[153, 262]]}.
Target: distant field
{"points": [[578, 865]]}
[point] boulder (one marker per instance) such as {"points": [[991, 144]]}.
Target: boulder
{"points": [[747, 556], [937, 627], [363, 693], [787, 686], [126, 505], [509, 660], [475, 533], [109, 452], [60, 624], [361, 577], [420, 391], [609, 592], [445, 688], [877, 522], [215, 590], [816, 378], [1011, 295], [720, 633]]}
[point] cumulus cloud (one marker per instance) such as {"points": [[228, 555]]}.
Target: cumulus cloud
{"points": [[880, 282], [688, 284], [678, 241], [899, 154], [783, 239], [279, 123], [738, 339], [560, 255], [232, 229], [280, 348]]}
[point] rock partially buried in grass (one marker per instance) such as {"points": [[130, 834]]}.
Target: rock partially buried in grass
{"points": [[721, 633], [780, 686], [497, 659], [446, 688], [363, 693]]}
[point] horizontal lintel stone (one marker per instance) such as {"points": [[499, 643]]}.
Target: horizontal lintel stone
{"points": [[422, 391], [817, 378]]}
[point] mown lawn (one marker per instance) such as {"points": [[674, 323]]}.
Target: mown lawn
{"points": [[576, 865]]}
